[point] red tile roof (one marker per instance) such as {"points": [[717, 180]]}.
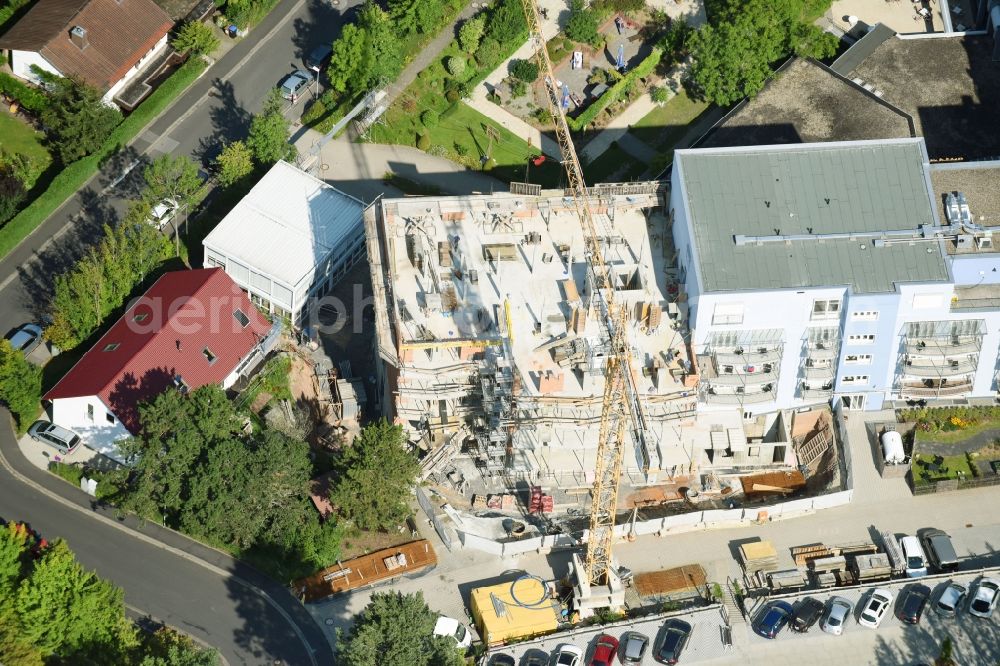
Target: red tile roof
{"points": [[163, 335], [119, 33]]}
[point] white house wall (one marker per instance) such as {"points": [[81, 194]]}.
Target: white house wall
{"points": [[22, 61], [98, 434], [134, 71]]}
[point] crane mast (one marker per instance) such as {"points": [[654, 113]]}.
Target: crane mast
{"points": [[621, 408]]}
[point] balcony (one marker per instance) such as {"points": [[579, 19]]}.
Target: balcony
{"points": [[937, 348], [742, 379], [928, 370], [931, 389], [816, 394], [818, 373], [757, 356], [737, 398]]}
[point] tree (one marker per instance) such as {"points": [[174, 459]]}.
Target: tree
{"points": [[270, 131], [65, 610], [385, 59], [78, 121], [20, 384], [471, 33], [14, 647], [811, 41], [234, 163], [396, 628], [13, 555], [506, 23], [168, 648], [349, 63], [488, 53], [378, 462], [526, 70], [412, 16], [177, 179], [455, 65], [582, 24], [196, 38]]}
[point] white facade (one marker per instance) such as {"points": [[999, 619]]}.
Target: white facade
{"points": [[90, 418], [158, 48]]}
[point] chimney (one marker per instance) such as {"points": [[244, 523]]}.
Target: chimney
{"points": [[78, 35], [178, 345]]}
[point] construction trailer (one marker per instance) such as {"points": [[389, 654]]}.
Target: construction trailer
{"points": [[515, 611]]}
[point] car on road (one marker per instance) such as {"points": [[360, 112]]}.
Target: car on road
{"points": [[295, 83], [502, 660], [634, 647], [916, 560], [568, 655], [876, 608], [26, 338], [950, 600], [912, 605], [535, 658], [319, 57], [675, 636], [983, 600], [805, 614], [604, 651], [836, 616], [939, 549], [162, 213], [447, 626], [64, 440], [773, 619]]}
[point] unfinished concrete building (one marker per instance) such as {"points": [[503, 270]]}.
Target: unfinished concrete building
{"points": [[488, 343]]}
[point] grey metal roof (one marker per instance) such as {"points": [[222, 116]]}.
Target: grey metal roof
{"points": [[861, 49], [819, 188]]}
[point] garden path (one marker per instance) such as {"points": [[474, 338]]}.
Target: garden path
{"points": [[974, 443]]}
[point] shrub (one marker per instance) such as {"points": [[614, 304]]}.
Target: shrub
{"points": [[461, 149], [518, 88], [423, 141], [30, 98], [471, 33], [582, 24], [619, 5], [506, 23], [488, 54], [598, 76], [616, 92], [450, 111], [69, 473], [429, 118], [659, 94], [452, 95], [195, 37], [455, 65], [525, 70]]}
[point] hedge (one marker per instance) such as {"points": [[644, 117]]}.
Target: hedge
{"points": [[31, 98], [74, 176], [644, 68]]}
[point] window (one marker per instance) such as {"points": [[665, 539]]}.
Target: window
{"points": [[180, 384], [215, 262], [110, 417], [858, 359], [727, 313], [111, 347], [90, 413], [239, 272], [209, 356], [854, 379], [826, 309], [140, 317], [864, 315], [241, 318], [861, 339]]}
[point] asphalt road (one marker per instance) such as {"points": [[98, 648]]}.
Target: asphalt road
{"points": [[218, 107]]}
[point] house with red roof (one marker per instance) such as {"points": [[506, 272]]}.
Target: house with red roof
{"points": [[190, 329], [106, 43]]}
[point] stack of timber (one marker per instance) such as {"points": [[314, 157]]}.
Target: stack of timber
{"points": [[759, 556], [684, 579]]}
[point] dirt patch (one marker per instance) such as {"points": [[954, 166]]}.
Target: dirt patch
{"points": [[367, 542]]}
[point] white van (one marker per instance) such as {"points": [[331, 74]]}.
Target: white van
{"points": [[892, 448], [916, 561], [447, 626]]}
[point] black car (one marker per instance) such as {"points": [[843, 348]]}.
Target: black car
{"points": [[912, 605], [805, 614], [676, 634], [502, 660], [319, 57]]}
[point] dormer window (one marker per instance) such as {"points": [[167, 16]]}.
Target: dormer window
{"points": [[111, 347], [241, 318], [209, 356], [141, 317], [180, 384]]}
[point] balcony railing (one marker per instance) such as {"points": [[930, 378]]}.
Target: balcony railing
{"points": [[954, 368], [812, 394], [942, 348], [743, 379], [738, 398], [818, 373], [749, 356], [924, 391]]}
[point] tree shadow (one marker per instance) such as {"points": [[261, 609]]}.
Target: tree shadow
{"points": [[321, 26], [230, 122]]}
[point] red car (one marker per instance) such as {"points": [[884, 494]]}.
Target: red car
{"points": [[604, 653]]}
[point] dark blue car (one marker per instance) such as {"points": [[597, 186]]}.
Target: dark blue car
{"points": [[774, 619]]}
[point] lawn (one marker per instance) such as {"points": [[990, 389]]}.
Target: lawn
{"points": [[953, 465], [958, 434], [665, 125], [18, 137], [613, 161]]}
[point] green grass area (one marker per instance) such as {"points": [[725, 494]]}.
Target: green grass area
{"points": [[74, 176], [956, 435], [951, 465], [665, 125], [610, 161], [16, 136]]}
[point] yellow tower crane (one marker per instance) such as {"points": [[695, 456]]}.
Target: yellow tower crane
{"points": [[621, 408]]}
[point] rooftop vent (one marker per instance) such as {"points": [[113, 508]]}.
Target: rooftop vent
{"points": [[78, 35], [957, 208]]}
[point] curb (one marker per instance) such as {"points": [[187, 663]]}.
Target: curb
{"points": [[159, 544]]}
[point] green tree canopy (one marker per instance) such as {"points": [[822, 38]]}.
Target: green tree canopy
{"points": [[349, 63], [582, 24], [384, 51], [234, 163], [20, 384], [416, 16], [176, 178], [396, 628], [378, 463], [195, 37], [269, 132], [77, 121], [471, 33]]}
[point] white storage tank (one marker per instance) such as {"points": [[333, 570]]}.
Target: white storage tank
{"points": [[892, 448]]}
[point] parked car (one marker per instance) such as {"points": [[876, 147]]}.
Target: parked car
{"points": [[604, 651], [913, 603], [63, 439], [568, 655], [162, 213], [26, 338], [983, 600], [836, 616], [446, 626], [876, 608], [773, 619], [950, 599], [535, 658], [319, 57], [502, 660], [674, 637], [805, 614], [939, 549], [634, 647], [916, 561], [295, 83]]}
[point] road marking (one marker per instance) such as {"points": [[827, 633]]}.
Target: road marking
{"points": [[162, 546]]}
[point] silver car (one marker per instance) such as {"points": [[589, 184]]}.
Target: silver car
{"points": [[984, 597], [26, 338], [950, 599], [64, 440], [296, 82], [836, 616]]}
